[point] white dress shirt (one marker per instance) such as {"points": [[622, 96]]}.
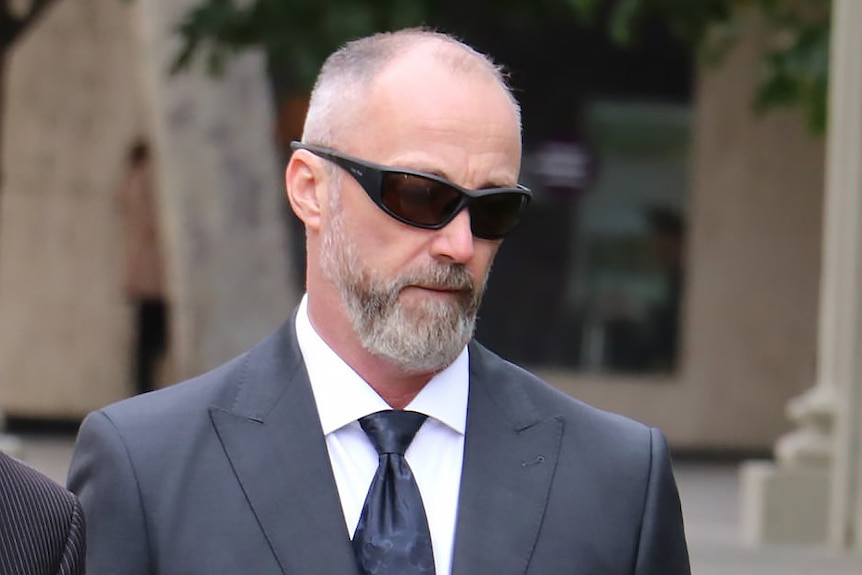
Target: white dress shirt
{"points": [[437, 451]]}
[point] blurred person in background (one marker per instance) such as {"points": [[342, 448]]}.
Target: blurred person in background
{"points": [[371, 433], [144, 270], [41, 524], [663, 318]]}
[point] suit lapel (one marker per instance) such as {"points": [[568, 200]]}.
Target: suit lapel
{"points": [[510, 454], [271, 434]]}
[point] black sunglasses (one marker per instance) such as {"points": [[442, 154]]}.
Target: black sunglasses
{"points": [[428, 201]]}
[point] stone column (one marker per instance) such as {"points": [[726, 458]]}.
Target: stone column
{"points": [[73, 104], [222, 190], [789, 501], [845, 169]]}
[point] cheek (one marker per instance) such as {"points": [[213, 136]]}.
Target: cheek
{"points": [[484, 256], [382, 250], [387, 244]]}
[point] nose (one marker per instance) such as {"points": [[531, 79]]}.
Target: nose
{"points": [[455, 242]]}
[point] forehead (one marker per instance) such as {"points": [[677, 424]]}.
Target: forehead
{"points": [[427, 111]]}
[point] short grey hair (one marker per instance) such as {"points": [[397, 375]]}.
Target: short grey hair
{"points": [[347, 73]]}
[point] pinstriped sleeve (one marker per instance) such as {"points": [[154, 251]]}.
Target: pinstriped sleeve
{"points": [[37, 519], [72, 560]]}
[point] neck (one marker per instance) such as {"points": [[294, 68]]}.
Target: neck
{"points": [[393, 384], [398, 393]]}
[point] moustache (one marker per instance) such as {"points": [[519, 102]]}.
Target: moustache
{"points": [[454, 277]]}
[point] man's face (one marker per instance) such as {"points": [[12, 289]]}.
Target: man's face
{"points": [[418, 336], [410, 294]]}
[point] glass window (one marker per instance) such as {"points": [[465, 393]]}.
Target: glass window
{"points": [[594, 277]]}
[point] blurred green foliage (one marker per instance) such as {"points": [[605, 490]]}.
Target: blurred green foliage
{"points": [[16, 19], [795, 64], [299, 34]]}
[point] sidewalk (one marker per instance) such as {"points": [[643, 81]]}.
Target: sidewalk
{"points": [[710, 503], [709, 494]]}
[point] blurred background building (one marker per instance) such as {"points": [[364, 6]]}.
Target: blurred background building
{"points": [[668, 268]]}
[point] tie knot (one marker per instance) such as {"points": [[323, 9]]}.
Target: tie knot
{"points": [[391, 431]]}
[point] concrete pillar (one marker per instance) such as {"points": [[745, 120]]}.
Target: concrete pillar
{"points": [[73, 103], [222, 191], [789, 501], [845, 170]]}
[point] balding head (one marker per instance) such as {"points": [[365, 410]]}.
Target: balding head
{"points": [[343, 85], [434, 110]]}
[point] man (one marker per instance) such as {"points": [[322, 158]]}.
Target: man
{"points": [[41, 524], [143, 278], [667, 242], [291, 458]]}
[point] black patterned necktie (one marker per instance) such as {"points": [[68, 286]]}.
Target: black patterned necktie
{"points": [[392, 537]]}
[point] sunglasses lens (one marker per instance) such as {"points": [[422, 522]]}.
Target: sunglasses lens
{"points": [[426, 202], [418, 200], [494, 216]]}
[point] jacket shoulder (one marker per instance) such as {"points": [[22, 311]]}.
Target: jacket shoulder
{"points": [[546, 400], [180, 400], [254, 377]]}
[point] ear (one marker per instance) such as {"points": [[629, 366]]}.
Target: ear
{"points": [[305, 184]]}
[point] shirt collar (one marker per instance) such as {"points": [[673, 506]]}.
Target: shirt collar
{"points": [[342, 396]]}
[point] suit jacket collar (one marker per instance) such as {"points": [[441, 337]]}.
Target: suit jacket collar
{"points": [[269, 428], [510, 455], [270, 431]]}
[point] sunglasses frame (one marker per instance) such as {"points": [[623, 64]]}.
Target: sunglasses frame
{"points": [[370, 177]]}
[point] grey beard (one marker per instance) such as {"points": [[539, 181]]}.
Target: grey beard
{"points": [[424, 337]]}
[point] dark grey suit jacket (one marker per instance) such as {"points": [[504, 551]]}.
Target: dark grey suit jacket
{"points": [[41, 524], [228, 473]]}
